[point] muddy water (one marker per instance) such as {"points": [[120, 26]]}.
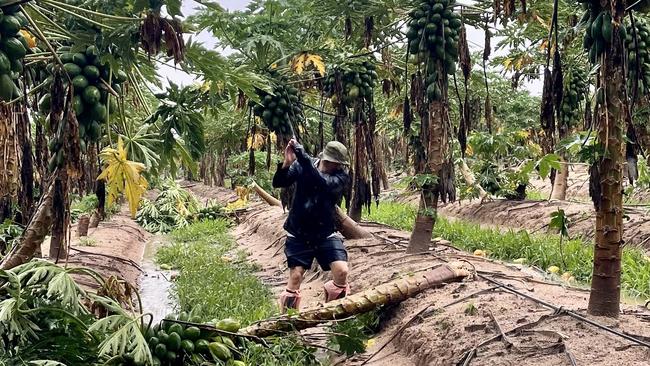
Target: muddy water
{"points": [[155, 284]]}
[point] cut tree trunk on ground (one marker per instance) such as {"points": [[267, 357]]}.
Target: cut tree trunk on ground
{"points": [[561, 182], [386, 294], [32, 238], [347, 227]]}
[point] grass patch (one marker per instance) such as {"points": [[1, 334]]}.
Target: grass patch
{"points": [[535, 195], [214, 282], [542, 250]]}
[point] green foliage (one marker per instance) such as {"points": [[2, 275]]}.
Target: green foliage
{"points": [[87, 205], [238, 170], [541, 250], [173, 208], [10, 233], [283, 351], [212, 282], [350, 336], [45, 318], [179, 122], [560, 222]]}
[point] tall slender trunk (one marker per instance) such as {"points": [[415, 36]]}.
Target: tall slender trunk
{"points": [[438, 163], [220, 169], [360, 188], [59, 240], [8, 162], [26, 192], [561, 182], [606, 178]]}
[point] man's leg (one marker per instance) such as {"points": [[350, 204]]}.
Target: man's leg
{"points": [[290, 297], [299, 259], [338, 287], [332, 256]]}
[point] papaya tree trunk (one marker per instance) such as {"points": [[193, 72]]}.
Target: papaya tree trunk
{"points": [[361, 190], [424, 221], [437, 162], [8, 162], [26, 191], [560, 184], [606, 176], [59, 240], [32, 238], [389, 293], [220, 170]]}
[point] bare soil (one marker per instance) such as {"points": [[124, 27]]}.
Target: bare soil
{"points": [[114, 248], [447, 330]]}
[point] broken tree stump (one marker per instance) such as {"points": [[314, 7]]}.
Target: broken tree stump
{"points": [[82, 226]]}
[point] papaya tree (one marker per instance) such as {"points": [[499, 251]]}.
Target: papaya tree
{"points": [[433, 38], [605, 38]]}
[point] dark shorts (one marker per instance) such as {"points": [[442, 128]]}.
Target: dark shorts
{"points": [[301, 253]]}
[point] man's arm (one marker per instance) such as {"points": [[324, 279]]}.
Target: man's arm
{"points": [[287, 171], [285, 176]]}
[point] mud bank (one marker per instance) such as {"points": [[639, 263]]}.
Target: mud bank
{"points": [[440, 327]]}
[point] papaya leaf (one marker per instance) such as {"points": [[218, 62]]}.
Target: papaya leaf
{"points": [[122, 176], [560, 222], [546, 163]]}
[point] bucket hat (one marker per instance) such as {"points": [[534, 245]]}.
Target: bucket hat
{"points": [[335, 152]]}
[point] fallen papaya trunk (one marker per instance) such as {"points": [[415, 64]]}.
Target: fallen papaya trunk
{"points": [[34, 234], [389, 293], [347, 227]]}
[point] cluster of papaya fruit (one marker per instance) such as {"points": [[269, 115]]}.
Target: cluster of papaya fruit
{"points": [[172, 343], [433, 33], [598, 30], [13, 48], [89, 78], [638, 53], [278, 109], [575, 89], [357, 82]]}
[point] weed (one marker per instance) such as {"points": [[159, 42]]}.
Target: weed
{"points": [[87, 205], [542, 250], [350, 336], [87, 242], [209, 282], [535, 195], [284, 351], [471, 310]]}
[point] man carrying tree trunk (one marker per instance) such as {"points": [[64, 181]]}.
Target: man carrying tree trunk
{"points": [[311, 224]]}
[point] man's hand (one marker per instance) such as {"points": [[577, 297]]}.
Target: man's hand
{"points": [[289, 155]]}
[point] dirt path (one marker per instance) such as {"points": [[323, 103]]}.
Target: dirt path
{"points": [[443, 334]]}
